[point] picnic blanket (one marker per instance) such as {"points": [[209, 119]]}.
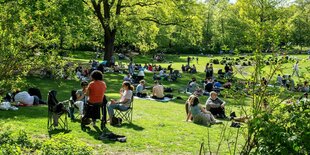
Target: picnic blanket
{"points": [[166, 99]]}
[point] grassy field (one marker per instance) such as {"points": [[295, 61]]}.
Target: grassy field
{"points": [[157, 128]]}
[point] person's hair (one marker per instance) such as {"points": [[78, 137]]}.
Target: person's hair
{"points": [[96, 75], [84, 83], [130, 87], [195, 101], [213, 92], [193, 79], [142, 81]]}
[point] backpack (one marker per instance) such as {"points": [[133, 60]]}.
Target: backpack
{"points": [[116, 121], [169, 90]]}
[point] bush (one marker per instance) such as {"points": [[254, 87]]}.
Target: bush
{"points": [[289, 127], [241, 58], [249, 63], [65, 144], [21, 143], [216, 61], [244, 64], [223, 62]]}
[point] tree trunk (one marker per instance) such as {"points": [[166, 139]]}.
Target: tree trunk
{"points": [[109, 38]]}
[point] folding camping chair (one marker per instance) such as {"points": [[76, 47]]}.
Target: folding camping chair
{"points": [[127, 114], [57, 113], [73, 105]]}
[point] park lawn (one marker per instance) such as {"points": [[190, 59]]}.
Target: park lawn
{"points": [[157, 128], [179, 60]]}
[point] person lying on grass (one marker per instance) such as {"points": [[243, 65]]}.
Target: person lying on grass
{"points": [[199, 114], [124, 103], [25, 99]]}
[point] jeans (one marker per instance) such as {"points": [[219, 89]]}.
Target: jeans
{"points": [[37, 100], [120, 107]]}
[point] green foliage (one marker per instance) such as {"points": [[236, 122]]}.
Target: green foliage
{"points": [[16, 143], [65, 144], [289, 127]]}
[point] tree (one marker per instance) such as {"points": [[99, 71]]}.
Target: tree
{"points": [[112, 14]]}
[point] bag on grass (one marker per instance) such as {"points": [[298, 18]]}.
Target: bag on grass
{"points": [[116, 121]]}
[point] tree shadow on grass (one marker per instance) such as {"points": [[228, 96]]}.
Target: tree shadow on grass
{"points": [[98, 134], [57, 131], [132, 126], [25, 113]]}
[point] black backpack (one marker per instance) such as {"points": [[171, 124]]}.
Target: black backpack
{"points": [[116, 121]]}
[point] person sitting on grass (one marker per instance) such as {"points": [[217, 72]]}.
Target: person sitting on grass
{"points": [[192, 85], [158, 91], [199, 114], [305, 87], [279, 80], [215, 105], [140, 90], [124, 102]]}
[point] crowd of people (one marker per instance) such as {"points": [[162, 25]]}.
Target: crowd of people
{"points": [[91, 96]]}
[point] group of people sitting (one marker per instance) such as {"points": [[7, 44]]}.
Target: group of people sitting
{"points": [[209, 85], [288, 82], [214, 108], [189, 69]]}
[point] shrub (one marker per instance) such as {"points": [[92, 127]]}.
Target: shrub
{"points": [[244, 64], [20, 143], [223, 62], [249, 63], [65, 144], [289, 127], [241, 58], [216, 61]]}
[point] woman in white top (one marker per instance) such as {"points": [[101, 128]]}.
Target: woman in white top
{"points": [[124, 103], [24, 98]]}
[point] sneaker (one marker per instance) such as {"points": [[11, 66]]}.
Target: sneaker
{"points": [[233, 114], [235, 125], [218, 122]]}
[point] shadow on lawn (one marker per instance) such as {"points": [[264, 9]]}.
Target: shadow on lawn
{"points": [[57, 131], [25, 113], [132, 126]]}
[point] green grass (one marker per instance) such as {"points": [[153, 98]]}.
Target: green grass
{"points": [[157, 128]]}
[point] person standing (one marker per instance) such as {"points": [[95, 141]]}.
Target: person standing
{"points": [[95, 92], [188, 60], [295, 69]]}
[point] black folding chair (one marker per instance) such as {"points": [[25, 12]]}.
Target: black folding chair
{"points": [[57, 113], [127, 114]]}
